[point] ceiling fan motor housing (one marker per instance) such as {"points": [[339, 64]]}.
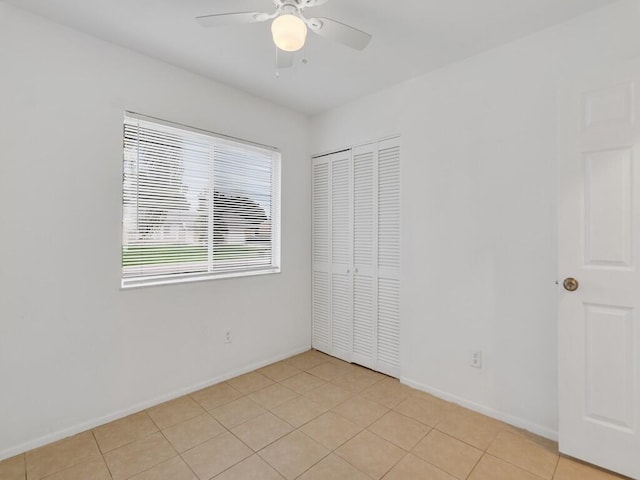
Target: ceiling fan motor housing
{"points": [[291, 7], [287, 6]]}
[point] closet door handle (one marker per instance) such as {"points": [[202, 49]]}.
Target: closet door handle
{"points": [[355, 270]]}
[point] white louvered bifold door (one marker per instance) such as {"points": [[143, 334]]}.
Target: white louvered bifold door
{"points": [[356, 255], [364, 246], [341, 256], [388, 261], [321, 285]]}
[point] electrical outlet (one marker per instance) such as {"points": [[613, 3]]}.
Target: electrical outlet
{"points": [[227, 336], [476, 359]]}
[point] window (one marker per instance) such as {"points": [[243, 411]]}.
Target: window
{"points": [[196, 205]]}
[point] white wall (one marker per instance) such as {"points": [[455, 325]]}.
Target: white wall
{"points": [[478, 224], [75, 350]]}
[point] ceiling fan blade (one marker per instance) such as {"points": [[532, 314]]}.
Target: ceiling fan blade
{"points": [[284, 59], [349, 36], [312, 3], [237, 18]]}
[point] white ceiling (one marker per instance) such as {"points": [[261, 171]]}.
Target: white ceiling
{"points": [[410, 37]]}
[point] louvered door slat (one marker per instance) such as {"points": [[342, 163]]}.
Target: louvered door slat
{"points": [[320, 231], [321, 311], [363, 320], [363, 209], [340, 211], [341, 321], [389, 208], [388, 326]]}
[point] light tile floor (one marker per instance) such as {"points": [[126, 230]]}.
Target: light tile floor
{"points": [[310, 417]]}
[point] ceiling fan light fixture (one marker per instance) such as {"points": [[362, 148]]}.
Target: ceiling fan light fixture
{"points": [[289, 32]]}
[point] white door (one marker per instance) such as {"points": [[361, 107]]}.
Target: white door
{"points": [[599, 240], [364, 248], [320, 237], [388, 259], [332, 298], [341, 256], [376, 256]]}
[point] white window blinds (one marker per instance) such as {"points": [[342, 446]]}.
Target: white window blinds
{"points": [[196, 205]]}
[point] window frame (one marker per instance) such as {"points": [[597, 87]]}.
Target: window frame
{"points": [[276, 195]]}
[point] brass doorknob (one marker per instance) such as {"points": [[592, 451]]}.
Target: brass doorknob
{"points": [[570, 284]]}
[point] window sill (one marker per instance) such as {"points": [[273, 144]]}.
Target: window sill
{"points": [[130, 283]]}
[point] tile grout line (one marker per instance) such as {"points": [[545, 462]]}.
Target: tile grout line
{"points": [[237, 463], [310, 467], [516, 466], [104, 460], [461, 440], [476, 465], [477, 461], [180, 454], [406, 454], [519, 466], [555, 470], [103, 453]]}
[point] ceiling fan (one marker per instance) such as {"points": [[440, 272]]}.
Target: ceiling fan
{"points": [[289, 26]]}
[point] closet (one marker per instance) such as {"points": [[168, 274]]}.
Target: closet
{"points": [[356, 255]]}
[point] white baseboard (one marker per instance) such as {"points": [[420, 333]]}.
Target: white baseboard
{"points": [[489, 412], [96, 422]]}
